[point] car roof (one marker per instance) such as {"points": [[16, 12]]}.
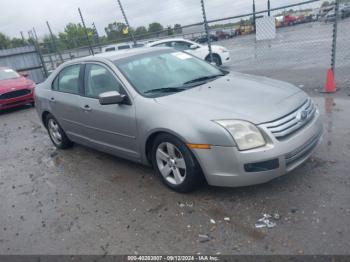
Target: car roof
{"points": [[118, 44], [169, 40]]}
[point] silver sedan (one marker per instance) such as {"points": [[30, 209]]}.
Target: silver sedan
{"points": [[190, 120]]}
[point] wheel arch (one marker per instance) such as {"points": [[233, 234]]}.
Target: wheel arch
{"points": [[44, 116], [150, 139], [214, 54]]}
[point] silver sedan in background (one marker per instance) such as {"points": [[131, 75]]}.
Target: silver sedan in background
{"points": [[189, 119]]}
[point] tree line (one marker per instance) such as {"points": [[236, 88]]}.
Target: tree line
{"points": [[74, 35]]}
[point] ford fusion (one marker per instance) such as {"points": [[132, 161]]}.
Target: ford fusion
{"points": [[190, 120]]}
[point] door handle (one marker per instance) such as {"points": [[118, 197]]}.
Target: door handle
{"points": [[52, 100], [87, 108]]}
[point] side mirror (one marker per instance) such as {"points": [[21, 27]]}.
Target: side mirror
{"points": [[193, 47], [24, 74], [110, 98]]}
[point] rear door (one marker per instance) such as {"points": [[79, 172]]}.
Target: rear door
{"points": [[111, 128], [65, 99]]}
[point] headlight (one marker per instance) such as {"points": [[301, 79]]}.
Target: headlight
{"points": [[245, 134]]}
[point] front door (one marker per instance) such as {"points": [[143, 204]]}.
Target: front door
{"points": [[111, 128]]}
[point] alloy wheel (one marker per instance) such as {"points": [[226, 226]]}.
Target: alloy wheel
{"points": [[171, 163], [54, 131]]}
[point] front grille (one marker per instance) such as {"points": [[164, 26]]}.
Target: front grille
{"points": [[285, 126], [301, 152], [14, 94]]}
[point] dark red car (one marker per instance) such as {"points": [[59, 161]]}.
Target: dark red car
{"points": [[15, 89]]}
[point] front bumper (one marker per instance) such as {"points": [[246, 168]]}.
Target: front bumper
{"points": [[16, 101], [227, 166]]}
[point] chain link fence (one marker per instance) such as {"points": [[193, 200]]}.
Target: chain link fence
{"points": [[297, 49], [342, 48], [292, 43]]}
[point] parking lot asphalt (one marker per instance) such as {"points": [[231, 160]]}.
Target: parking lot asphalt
{"points": [[81, 201]]}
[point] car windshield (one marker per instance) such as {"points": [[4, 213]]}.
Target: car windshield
{"points": [[8, 74], [159, 73]]}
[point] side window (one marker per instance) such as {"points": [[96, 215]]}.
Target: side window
{"points": [[68, 79], [99, 79], [181, 45], [166, 44], [109, 49], [121, 47]]}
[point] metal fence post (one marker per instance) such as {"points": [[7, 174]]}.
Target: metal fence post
{"points": [[254, 16], [37, 48], [268, 8], [335, 32], [86, 32], [36, 36], [127, 22], [207, 31], [54, 42], [23, 39], [96, 36]]}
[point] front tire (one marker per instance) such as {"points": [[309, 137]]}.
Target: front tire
{"points": [[175, 164], [216, 59], [56, 133]]}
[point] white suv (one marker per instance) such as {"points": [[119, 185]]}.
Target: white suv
{"points": [[220, 54]]}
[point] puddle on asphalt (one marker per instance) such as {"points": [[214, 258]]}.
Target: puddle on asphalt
{"points": [[237, 223]]}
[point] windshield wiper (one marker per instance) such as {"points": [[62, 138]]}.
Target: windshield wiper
{"points": [[203, 78], [165, 90]]}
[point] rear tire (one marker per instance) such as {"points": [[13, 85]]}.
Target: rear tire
{"points": [[175, 164], [56, 133]]}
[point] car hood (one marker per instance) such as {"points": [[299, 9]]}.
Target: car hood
{"points": [[17, 83], [237, 96]]}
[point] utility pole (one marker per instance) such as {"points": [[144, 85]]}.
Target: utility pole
{"points": [[268, 8], [54, 42], [207, 30], [86, 32], [127, 22]]}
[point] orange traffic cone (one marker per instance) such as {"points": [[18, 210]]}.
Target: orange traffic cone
{"points": [[330, 83]]}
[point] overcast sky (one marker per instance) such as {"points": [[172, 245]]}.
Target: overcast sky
{"points": [[22, 15]]}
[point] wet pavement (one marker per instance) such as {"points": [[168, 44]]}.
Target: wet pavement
{"points": [[299, 54], [81, 201]]}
